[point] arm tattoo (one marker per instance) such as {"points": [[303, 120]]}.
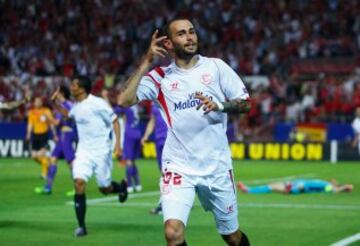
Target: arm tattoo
{"points": [[237, 106]]}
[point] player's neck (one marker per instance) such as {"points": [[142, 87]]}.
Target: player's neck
{"points": [[81, 96], [186, 63]]}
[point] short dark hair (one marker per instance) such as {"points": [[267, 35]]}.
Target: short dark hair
{"points": [[165, 30], [65, 91], [83, 82]]}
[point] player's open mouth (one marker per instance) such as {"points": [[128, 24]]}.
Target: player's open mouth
{"points": [[190, 46]]}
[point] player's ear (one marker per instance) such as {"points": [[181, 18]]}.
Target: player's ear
{"points": [[167, 44]]}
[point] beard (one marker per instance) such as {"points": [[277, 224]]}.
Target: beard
{"points": [[182, 53]]}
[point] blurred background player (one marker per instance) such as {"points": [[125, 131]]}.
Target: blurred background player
{"points": [[95, 121], [298, 186], [158, 124], [356, 127], [132, 145], [66, 134], [111, 98], [14, 104], [40, 121]]}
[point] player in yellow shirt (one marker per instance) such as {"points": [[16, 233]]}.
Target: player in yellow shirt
{"points": [[40, 120]]}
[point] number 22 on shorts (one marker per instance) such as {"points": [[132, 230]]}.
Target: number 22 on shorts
{"points": [[171, 176]]}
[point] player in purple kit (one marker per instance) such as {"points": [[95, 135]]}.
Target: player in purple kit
{"points": [[158, 124], [64, 147], [132, 145]]}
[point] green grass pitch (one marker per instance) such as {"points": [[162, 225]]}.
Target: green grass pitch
{"points": [[271, 219]]}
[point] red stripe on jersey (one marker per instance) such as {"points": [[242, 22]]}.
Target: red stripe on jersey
{"points": [[161, 97], [153, 79], [232, 179], [162, 101], [160, 71]]}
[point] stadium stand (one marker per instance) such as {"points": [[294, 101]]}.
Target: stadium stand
{"points": [[309, 50]]}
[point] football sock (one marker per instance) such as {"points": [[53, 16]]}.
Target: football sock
{"points": [[129, 175], [44, 162], [115, 187], [259, 189], [80, 208], [136, 175], [244, 240], [50, 176]]}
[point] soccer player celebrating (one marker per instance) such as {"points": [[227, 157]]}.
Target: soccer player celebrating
{"points": [[195, 94], [40, 120], [66, 136], [94, 120], [158, 124], [131, 152]]}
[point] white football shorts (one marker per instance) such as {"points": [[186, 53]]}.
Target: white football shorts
{"points": [[85, 165], [216, 193]]}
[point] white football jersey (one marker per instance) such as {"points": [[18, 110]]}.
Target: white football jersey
{"points": [[196, 143], [93, 117], [356, 126]]}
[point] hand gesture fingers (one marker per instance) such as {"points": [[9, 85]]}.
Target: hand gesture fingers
{"points": [[205, 102], [155, 48], [55, 94]]}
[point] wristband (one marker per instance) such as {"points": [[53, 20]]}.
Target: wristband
{"points": [[220, 107]]}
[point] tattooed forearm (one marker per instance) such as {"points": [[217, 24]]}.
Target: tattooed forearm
{"points": [[236, 106]]}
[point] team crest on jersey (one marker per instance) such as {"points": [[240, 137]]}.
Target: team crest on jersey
{"points": [[206, 79], [174, 85]]}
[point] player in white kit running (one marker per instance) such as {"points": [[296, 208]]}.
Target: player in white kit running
{"points": [[194, 93], [94, 120], [356, 127]]}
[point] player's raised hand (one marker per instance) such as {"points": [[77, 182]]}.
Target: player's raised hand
{"points": [[55, 94], [27, 96], [155, 49], [205, 102]]}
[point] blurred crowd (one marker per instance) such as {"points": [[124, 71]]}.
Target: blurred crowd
{"points": [[95, 36], [105, 39]]}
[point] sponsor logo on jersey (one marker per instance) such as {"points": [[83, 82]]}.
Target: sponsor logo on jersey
{"points": [[189, 103]]}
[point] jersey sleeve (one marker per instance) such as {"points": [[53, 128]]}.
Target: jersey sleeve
{"points": [[71, 112], [356, 126], [107, 113], [231, 84], [67, 105], [148, 88]]}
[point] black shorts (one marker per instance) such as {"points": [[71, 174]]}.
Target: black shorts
{"points": [[39, 141]]}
